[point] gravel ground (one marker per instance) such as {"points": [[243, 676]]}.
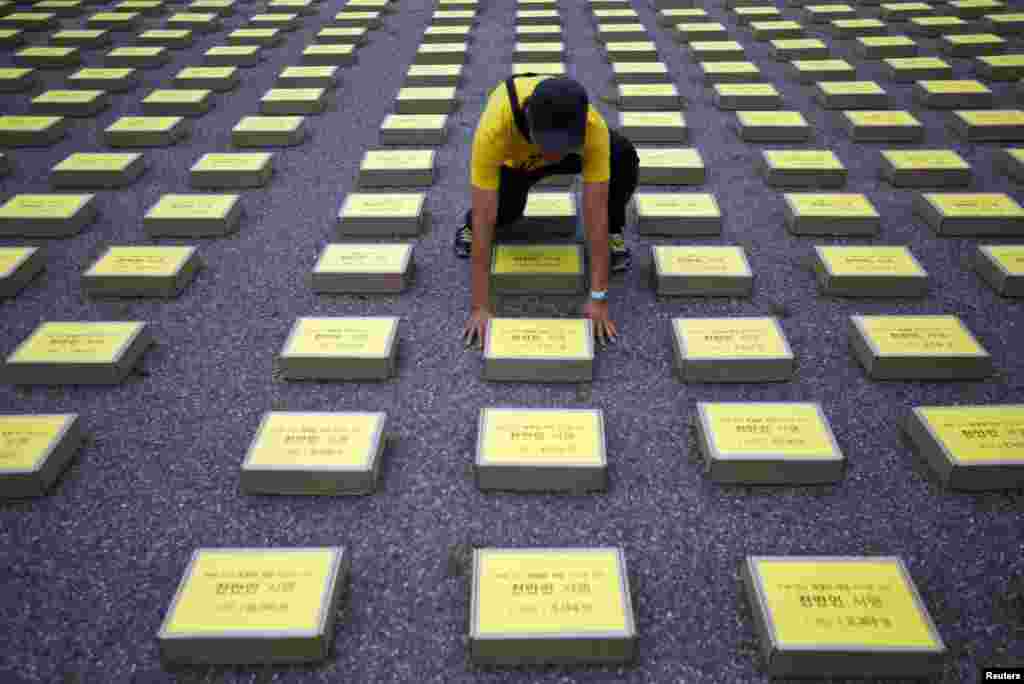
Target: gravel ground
{"points": [[88, 571]]}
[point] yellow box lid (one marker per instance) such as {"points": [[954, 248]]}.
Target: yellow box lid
{"points": [[925, 159], [135, 51], [729, 68], [850, 88], [950, 87], [639, 89], [670, 157], [540, 338], [43, 205], [1003, 60], [334, 441], [881, 117], [254, 33], [364, 258], [937, 21], [174, 206], [676, 205], [335, 49], [253, 591], [383, 205], [207, 72], [731, 338], [778, 25], [414, 121], [144, 123], [14, 73], [871, 260], [547, 259], [991, 117], [755, 118], [293, 94], [858, 23], [397, 159], [821, 65], [28, 123], [99, 73], [802, 159], [76, 342], [307, 71], [745, 89], [829, 8], [978, 434], [142, 260], [232, 161], [619, 28], [269, 123], [557, 592], [446, 30], [233, 50], [974, 204], [700, 27], [339, 336], [907, 6], [715, 46], [701, 260], [115, 16], [546, 204], [745, 429], [25, 440], [69, 96], [973, 39], [916, 63], [932, 335], [1009, 257], [797, 43], [177, 96], [442, 93], [843, 204], [539, 28], [670, 119], [276, 18], [79, 33], [11, 258], [563, 436], [885, 41], [843, 604], [87, 161], [630, 46]]}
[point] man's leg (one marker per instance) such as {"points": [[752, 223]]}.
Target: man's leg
{"points": [[625, 166], [513, 186]]}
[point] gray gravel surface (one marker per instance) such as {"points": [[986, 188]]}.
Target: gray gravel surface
{"points": [[87, 572]]}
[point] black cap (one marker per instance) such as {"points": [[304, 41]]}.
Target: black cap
{"points": [[557, 113]]}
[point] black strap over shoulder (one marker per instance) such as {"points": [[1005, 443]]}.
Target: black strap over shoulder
{"points": [[517, 112]]}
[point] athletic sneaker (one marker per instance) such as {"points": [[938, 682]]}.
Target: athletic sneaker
{"points": [[621, 257], [464, 242]]}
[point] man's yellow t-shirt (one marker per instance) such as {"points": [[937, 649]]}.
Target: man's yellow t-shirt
{"points": [[498, 142]]}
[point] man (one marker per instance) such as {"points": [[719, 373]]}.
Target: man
{"points": [[533, 127]]}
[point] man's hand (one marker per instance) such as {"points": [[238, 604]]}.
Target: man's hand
{"points": [[604, 329], [476, 326]]}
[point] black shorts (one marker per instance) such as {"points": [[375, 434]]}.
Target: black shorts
{"points": [[515, 184]]}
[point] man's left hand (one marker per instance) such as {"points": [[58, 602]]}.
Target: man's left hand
{"points": [[604, 329]]}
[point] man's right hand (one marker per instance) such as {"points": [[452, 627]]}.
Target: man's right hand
{"points": [[476, 327]]}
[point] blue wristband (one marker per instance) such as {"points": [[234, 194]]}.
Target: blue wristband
{"points": [[599, 295]]}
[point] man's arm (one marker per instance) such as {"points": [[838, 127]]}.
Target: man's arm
{"points": [[595, 219], [485, 215]]}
